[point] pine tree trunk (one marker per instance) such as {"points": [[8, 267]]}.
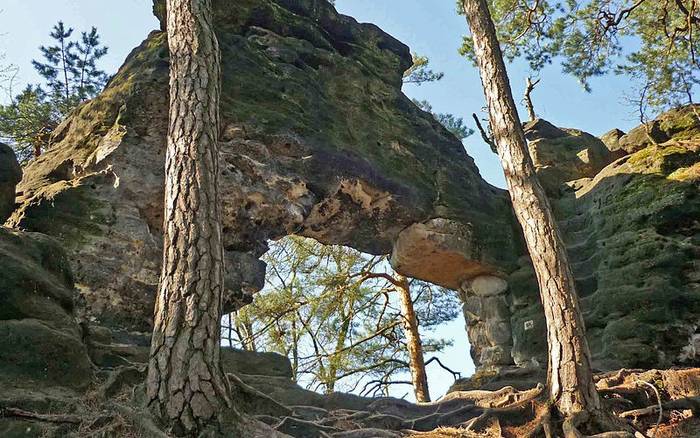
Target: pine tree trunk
{"points": [[413, 341], [186, 385], [337, 358], [570, 379]]}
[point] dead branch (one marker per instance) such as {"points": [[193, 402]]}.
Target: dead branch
{"points": [[455, 375], [528, 97], [487, 138]]}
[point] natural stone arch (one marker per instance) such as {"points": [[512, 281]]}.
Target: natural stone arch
{"points": [[317, 140]]}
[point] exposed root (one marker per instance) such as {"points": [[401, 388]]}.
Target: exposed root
{"points": [[49, 418], [526, 420], [658, 401], [612, 426], [504, 397]]}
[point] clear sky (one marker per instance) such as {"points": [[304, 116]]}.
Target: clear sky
{"points": [[429, 27]]}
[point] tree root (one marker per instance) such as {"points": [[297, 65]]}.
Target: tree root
{"points": [[536, 417], [600, 421], [49, 418], [540, 422]]}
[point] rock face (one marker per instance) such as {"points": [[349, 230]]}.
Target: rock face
{"points": [[632, 231], [10, 175], [318, 140], [40, 340]]}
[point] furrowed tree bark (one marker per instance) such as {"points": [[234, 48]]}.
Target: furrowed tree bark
{"points": [[413, 341], [186, 385], [570, 379]]}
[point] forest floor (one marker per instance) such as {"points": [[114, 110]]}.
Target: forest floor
{"points": [[656, 403]]}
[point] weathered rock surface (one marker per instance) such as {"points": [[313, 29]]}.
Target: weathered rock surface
{"points": [[611, 139], [254, 363], [10, 175], [318, 140], [632, 230], [564, 154], [40, 340], [487, 315], [679, 124]]}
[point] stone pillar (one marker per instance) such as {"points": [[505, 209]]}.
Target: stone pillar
{"points": [[487, 315]]}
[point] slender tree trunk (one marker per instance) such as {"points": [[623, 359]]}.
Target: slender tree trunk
{"points": [[413, 341], [186, 385], [245, 328], [65, 69], [337, 357], [570, 378]]}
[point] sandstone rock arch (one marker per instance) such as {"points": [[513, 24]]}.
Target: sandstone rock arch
{"points": [[318, 140]]}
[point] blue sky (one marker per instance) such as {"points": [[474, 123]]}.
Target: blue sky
{"points": [[429, 27]]}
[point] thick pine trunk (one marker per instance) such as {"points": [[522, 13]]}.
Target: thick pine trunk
{"points": [[186, 385], [570, 378], [413, 340]]}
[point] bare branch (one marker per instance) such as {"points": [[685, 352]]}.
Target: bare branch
{"points": [[456, 375], [528, 97], [487, 138]]}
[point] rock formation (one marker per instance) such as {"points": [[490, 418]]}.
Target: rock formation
{"points": [[318, 140], [41, 342], [633, 235]]}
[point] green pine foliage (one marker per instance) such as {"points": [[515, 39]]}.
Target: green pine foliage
{"points": [[339, 325], [421, 73], [451, 122], [71, 76], [653, 42]]}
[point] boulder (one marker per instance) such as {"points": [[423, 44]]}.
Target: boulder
{"points": [[10, 175], [611, 139], [563, 154], [238, 361], [317, 140], [33, 352]]}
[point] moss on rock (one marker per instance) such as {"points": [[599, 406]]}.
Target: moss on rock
{"points": [[633, 237]]}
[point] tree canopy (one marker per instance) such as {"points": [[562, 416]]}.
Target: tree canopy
{"points": [[653, 42]]}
